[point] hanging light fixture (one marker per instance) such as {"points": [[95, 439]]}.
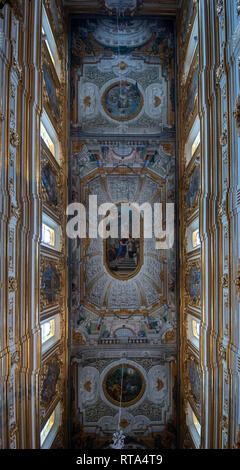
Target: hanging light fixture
{"points": [[118, 436]]}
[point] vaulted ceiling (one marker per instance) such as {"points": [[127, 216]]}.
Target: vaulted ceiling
{"points": [[143, 7]]}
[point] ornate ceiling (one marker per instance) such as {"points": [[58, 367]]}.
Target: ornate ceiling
{"points": [[145, 7], [123, 307]]}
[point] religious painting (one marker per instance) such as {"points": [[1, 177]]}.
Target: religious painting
{"points": [[50, 283], [123, 256], [124, 384], [192, 96], [51, 90], [122, 101], [50, 382], [50, 184], [188, 9], [195, 380], [193, 284], [193, 189]]}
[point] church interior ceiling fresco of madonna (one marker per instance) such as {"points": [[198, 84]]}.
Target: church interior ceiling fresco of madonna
{"points": [[121, 341]]}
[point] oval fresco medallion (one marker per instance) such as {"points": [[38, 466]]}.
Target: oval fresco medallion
{"points": [[129, 379], [122, 101]]}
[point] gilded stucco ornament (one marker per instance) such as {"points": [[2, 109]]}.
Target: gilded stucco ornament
{"points": [[17, 69], [224, 423], [224, 138], [219, 7], [237, 281], [219, 73], [12, 284], [14, 138], [222, 353], [13, 430], [15, 212], [15, 358], [224, 281], [236, 114], [222, 208]]}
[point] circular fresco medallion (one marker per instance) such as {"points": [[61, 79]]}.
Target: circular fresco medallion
{"points": [[122, 101], [133, 385]]}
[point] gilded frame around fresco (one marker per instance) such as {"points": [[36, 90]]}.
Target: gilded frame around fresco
{"points": [[123, 404], [125, 277]]}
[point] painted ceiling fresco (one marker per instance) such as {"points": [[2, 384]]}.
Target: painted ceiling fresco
{"points": [[123, 292], [122, 77]]}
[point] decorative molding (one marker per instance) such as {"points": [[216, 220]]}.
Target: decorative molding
{"points": [[12, 284], [219, 7], [14, 138], [236, 114], [237, 281], [224, 138], [224, 281], [219, 73], [222, 353]]}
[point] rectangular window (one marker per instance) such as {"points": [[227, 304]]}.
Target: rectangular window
{"points": [[50, 42], [196, 424], [48, 330], [48, 235], [196, 329], [47, 139], [51, 233], [47, 428], [196, 143], [196, 239], [48, 46], [193, 140]]}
